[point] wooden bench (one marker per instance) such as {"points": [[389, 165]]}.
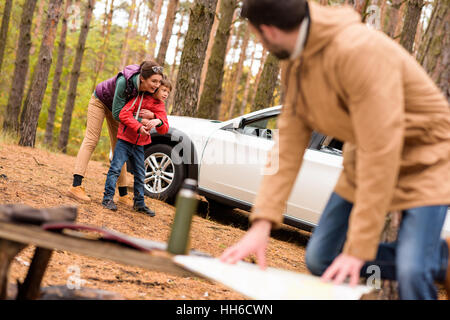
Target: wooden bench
{"points": [[14, 237]]}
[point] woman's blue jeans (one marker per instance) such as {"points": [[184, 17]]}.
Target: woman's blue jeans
{"points": [[127, 151], [417, 259]]}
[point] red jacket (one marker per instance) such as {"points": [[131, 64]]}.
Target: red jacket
{"points": [[129, 126]]}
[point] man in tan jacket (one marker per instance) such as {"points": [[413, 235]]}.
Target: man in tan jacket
{"points": [[354, 83]]}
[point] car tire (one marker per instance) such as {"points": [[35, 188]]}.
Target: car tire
{"points": [[170, 168]]}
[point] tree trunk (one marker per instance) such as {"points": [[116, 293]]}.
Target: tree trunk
{"points": [[262, 61], [40, 14], [434, 50], [48, 138], [413, 11], [11, 122], [178, 49], [133, 34], [4, 29], [107, 32], [361, 7], [266, 87], [209, 105], [174, 70], [394, 16], [74, 75], [238, 74], [40, 77], [209, 49], [124, 54], [153, 30], [247, 85], [38, 24], [197, 37], [167, 31], [232, 51]]}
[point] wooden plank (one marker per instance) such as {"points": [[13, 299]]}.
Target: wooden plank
{"points": [[29, 234]]}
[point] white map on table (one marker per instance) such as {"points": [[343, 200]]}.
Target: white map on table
{"points": [[270, 284]]}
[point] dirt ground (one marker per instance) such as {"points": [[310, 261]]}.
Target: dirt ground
{"points": [[40, 179]]}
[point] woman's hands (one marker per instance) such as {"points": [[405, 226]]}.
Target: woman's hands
{"points": [[254, 241]]}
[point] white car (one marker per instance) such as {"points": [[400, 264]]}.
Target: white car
{"points": [[227, 158]]}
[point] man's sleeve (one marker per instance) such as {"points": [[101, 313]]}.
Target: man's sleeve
{"points": [[119, 100], [284, 161], [372, 79]]}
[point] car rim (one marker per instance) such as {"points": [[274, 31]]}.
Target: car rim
{"points": [[159, 172]]}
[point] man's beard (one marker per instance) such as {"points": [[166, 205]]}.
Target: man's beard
{"points": [[281, 54], [278, 52]]}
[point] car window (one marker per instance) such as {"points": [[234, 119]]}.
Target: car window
{"points": [[261, 128], [331, 145]]}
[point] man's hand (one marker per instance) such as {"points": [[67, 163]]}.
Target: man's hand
{"points": [[142, 130], [255, 241], [343, 266], [146, 114]]}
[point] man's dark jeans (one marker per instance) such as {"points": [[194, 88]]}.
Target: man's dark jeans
{"points": [[415, 260], [126, 151]]}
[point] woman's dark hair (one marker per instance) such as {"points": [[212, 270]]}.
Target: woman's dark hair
{"points": [[283, 14], [149, 68]]}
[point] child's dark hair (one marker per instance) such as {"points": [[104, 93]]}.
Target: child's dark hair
{"points": [[149, 68], [166, 83]]}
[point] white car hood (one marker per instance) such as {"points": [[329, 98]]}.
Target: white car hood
{"points": [[188, 124]]}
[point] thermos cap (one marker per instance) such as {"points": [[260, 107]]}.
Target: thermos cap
{"points": [[190, 184]]}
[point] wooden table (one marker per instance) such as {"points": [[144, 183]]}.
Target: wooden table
{"points": [[15, 237]]}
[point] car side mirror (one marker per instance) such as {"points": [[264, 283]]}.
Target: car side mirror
{"points": [[238, 123]]}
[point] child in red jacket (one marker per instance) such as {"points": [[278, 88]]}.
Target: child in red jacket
{"points": [[132, 136]]}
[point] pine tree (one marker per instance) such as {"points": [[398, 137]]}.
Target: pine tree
{"points": [[434, 50], [4, 29], [11, 121], [124, 53], [100, 64], [153, 30], [413, 11], [195, 44], [209, 49], [247, 84], [167, 31], [57, 78], [40, 78], [210, 100], [237, 75], [267, 84], [74, 75]]}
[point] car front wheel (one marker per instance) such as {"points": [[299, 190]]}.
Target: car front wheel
{"points": [[164, 172]]}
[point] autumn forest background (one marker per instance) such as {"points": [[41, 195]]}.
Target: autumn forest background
{"points": [[54, 52]]}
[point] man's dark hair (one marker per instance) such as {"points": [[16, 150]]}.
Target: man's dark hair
{"points": [[283, 14]]}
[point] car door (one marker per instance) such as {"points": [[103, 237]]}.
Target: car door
{"points": [[232, 160], [321, 167]]}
